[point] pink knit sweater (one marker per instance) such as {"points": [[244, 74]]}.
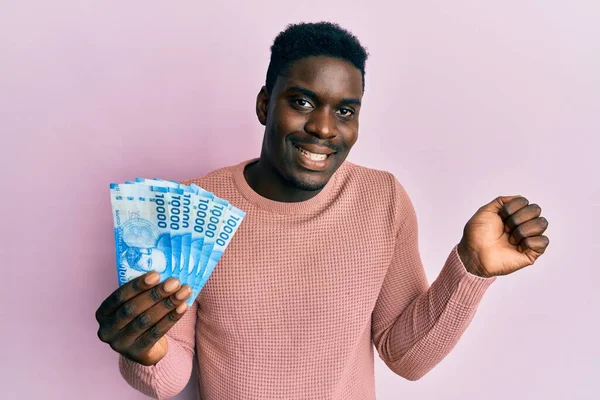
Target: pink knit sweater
{"points": [[306, 289]]}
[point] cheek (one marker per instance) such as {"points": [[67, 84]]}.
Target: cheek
{"points": [[288, 121], [350, 135]]}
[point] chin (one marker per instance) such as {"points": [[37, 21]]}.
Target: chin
{"points": [[310, 185], [304, 181]]}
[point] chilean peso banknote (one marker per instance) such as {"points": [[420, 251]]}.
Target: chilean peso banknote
{"points": [[176, 230]]}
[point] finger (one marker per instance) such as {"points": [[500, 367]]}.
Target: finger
{"points": [[125, 293], [144, 301], [512, 206], [520, 217], [112, 324], [151, 317], [534, 246], [152, 335], [534, 227]]}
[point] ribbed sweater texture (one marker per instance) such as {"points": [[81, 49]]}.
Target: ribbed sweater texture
{"points": [[306, 293]]}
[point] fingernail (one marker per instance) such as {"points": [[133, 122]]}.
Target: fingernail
{"points": [[181, 308], [151, 279], [171, 285], [183, 293]]}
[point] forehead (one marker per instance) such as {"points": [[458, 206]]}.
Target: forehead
{"points": [[326, 76]]}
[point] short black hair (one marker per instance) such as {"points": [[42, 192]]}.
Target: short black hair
{"points": [[302, 40]]}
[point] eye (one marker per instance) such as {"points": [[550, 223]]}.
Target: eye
{"points": [[302, 103], [346, 112], [149, 263]]}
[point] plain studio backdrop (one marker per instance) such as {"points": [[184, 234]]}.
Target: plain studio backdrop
{"points": [[464, 101]]}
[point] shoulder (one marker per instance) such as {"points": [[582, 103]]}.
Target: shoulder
{"points": [[213, 179], [380, 188], [379, 183]]}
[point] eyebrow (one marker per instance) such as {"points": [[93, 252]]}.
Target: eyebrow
{"points": [[310, 93]]}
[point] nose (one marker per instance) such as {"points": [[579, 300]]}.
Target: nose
{"points": [[321, 123]]}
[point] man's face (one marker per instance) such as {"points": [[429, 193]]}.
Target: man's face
{"points": [[311, 119], [146, 259], [153, 260]]}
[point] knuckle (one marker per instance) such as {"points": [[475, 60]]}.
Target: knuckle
{"points": [[511, 222], [143, 342], [155, 294], [155, 332], [116, 347], [172, 317], [99, 315], [518, 232], [117, 297], [168, 302], [127, 310], [135, 284], [103, 335], [143, 320]]}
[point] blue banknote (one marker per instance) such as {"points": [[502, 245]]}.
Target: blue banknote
{"points": [[230, 223], [176, 230], [188, 199], [182, 233], [142, 236], [176, 220], [216, 214], [202, 203]]}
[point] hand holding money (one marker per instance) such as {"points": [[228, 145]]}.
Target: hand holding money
{"points": [[135, 317], [169, 238]]}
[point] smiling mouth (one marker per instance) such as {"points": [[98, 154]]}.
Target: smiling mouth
{"points": [[312, 156]]}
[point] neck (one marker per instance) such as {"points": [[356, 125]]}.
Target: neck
{"points": [[264, 179]]}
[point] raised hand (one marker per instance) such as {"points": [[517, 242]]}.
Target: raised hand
{"points": [[135, 317], [503, 236]]}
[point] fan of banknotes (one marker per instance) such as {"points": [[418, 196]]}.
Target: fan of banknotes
{"points": [[176, 230]]}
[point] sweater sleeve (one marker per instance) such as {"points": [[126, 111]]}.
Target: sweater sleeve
{"points": [[415, 325], [171, 374]]}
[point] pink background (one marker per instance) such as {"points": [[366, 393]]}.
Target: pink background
{"points": [[464, 101]]}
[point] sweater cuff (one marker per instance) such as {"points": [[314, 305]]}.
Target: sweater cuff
{"points": [[147, 379], [464, 287]]}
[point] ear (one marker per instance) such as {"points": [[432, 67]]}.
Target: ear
{"points": [[262, 105]]}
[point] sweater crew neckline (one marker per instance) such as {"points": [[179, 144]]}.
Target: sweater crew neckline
{"points": [[298, 207]]}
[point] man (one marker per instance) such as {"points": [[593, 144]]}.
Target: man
{"points": [[326, 263]]}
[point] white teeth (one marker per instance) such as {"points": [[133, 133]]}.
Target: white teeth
{"points": [[312, 156]]}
